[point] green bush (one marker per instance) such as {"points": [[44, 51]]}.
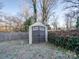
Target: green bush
{"points": [[51, 37], [70, 42], [77, 51]]}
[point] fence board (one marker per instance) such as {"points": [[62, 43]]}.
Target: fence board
{"points": [[14, 36]]}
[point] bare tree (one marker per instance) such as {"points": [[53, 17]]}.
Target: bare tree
{"points": [[46, 7], [11, 22], [35, 9], [69, 20], [74, 3], [55, 22], [30, 7], [73, 14], [25, 12]]}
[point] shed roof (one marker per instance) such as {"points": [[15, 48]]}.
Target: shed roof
{"points": [[38, 24]]}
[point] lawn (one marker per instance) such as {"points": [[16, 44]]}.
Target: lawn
{"points": [[21, 50]]}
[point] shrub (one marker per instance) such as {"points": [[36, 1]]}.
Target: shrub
{"points": [[73, 41], [51, 37], [67, 42], [77, 50]]}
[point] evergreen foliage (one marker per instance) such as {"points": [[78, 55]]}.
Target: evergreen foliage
{"points": [[77, 23], [27, 23]]}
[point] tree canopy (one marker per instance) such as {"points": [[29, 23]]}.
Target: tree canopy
{"points": [[27, 23]]}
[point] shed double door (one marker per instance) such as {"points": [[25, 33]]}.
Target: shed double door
{"points": [[38, 34]]}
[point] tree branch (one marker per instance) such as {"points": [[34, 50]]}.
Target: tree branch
{"points": [[72, 2], [74, 6]]}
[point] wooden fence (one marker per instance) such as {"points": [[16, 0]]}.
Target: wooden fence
{"points": [[14, 36]]}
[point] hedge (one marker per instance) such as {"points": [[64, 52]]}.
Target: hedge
{"points": [[67, 42]]}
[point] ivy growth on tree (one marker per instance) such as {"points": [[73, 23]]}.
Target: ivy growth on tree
{"points": [[77, 23]]}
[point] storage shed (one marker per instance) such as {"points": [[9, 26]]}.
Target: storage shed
{"points": [[38, 33]]}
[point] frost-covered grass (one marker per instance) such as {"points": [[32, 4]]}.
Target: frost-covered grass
{"points": [[21, 50]]}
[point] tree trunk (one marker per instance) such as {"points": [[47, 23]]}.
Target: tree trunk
{"points": [[35, 10]]}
